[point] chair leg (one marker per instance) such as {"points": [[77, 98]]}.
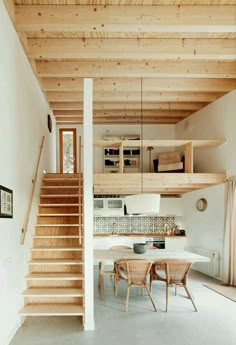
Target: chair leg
{"points": [[102, 287], [167, 296], [142, 291], [190, 296], [175, 290], [150, 286], [149, 293], [127, 298], [116, 286]]}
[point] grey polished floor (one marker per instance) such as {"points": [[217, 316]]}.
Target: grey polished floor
{"points": [[213, 324]]}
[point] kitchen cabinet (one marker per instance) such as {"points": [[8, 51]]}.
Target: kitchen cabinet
{"points": [[170, 207], [173, 243], [108, 207], [105, 242]]}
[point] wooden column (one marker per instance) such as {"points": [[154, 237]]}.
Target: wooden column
{"points": [[121, 158], [188, 152]]}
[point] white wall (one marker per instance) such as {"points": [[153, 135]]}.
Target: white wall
{"points": [[216, 121], [149, 132], [23, 122]]}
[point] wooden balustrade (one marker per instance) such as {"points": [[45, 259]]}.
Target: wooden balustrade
{"points": [[26, 221]]}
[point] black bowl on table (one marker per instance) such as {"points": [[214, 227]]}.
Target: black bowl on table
{"points": [[139, 248]]}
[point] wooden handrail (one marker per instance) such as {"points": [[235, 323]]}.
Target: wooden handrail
{"points": [[25, 225]]}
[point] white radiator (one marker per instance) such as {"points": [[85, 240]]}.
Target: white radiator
{"points": [[211, 268]]}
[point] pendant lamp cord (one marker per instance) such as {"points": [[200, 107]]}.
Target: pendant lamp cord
{"points": [[142, 134]]}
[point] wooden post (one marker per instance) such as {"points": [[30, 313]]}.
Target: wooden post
{"points": [[80, 152], [121, 158], [188, 152]]}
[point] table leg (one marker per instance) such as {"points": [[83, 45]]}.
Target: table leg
{"points": [[101, 280]]}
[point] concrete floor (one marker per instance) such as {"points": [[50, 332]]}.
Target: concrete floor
{"points": [[213, 324]]}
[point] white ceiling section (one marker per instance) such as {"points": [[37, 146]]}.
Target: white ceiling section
{"points": [[180, 54]]}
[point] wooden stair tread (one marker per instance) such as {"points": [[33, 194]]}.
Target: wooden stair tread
{"points": [[59, 214], [60, 187], [59, 225], [60, 195], [48, 292], [56, 236], [54, 276], [51, 309], [59, 205], [55, 262], [56, 248]]}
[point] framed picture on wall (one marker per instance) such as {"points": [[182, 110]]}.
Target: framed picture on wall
{"points": [[6, 202], [49, 124]]}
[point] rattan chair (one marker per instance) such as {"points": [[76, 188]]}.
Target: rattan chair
{"points": [[111, 272], [173, 273], [135, 273]]}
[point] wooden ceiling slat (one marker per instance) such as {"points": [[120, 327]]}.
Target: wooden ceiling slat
{"points": [[121, 120], [125, 2], [128, 35], [134, 84], [71, 96], [128, 106], [125, 18], [128, 113], [139, 49], [165, 69]]}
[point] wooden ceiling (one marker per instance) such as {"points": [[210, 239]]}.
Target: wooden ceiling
{"points": [[180, 55]]}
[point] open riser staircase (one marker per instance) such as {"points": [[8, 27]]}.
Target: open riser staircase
{"points": [[55, 282]]}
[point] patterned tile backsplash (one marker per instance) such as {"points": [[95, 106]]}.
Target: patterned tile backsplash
{"points": [[126, 224]]}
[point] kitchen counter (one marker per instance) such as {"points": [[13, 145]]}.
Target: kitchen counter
{"points": [[133, 234]]}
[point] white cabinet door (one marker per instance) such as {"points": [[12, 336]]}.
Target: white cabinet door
{"points": [[106, 242], [175, 243], [171, 207]]}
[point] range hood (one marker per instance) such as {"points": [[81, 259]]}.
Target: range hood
{"points": [[143, 204]]}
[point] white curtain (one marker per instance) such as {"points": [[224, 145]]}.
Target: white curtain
{"points": [[229, 252]]}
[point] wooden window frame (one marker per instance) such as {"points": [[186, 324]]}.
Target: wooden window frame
{"points": [[61, 130]]}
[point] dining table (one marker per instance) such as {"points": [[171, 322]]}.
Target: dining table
{"points": [[107, 256]]}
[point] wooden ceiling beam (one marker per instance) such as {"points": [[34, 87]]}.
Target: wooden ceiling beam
{"points": [[125, 2], [153, 69], [72, 96], [128, 113], [134, 84], [70, 18], [121, 120], [194, 49], [128, 106]]}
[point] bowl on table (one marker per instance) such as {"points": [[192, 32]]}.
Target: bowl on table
{"points": [[139, 248]]}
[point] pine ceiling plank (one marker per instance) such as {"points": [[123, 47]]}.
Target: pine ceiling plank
{"points": [[194, 49], [134, 84], [167, 69], [125, 2], [126, 106], [71, 96], [128, 35], [126, 18], [128, 113], [121, 120]]}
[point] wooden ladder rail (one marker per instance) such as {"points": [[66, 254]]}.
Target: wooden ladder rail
{"points": [[26, 221]]}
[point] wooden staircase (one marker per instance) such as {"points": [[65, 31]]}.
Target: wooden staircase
{"points": [[55, 283]]}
